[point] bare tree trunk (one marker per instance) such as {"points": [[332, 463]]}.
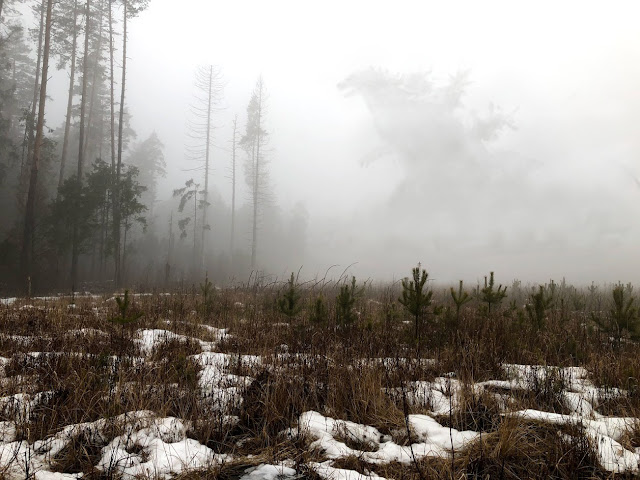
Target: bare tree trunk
{"points": [[205, 205], [112, 113], [124, 252], [256, 181], [94, 79], [36, 88], [254, 237], [116, 199], [13, 79], [233, 188], [93, 259], [112, 99], [72, 76], [83, 100], [75, 250], [106, 235], [103, 223], [26, 257], [195, 230], [167, 266], [253, 188]]}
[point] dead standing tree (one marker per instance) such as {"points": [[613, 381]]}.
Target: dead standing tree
{"points": [[208, 83], [256, 173]]}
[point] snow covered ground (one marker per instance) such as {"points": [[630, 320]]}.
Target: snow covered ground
{"points": [[144, 443]]}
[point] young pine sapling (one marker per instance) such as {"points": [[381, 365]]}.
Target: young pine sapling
{"points": [[319, 311], [345, 301], [206, 289], [459, 299], [623, 314], [415, 298], [491, 295], [289, 302], [123, 305], [540, 303]]}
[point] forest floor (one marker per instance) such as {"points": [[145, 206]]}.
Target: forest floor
{"points": [[226, 386]]}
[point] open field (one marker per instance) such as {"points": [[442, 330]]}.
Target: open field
{"points": [[290, 381]]}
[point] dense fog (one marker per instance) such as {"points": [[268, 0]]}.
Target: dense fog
{"points": [[260, 138]]}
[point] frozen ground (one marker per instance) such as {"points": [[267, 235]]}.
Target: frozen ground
{"points": [[143, 443]]}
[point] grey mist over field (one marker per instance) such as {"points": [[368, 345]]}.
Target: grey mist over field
{"points": [[522, 163], [468, 136]]}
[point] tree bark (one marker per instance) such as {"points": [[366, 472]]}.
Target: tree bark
{"points": [[36, 86], [112, 96], [104, 219], [26, 257], [75, 248], [67, 125], [124, 252], [167, 266], [205, 205], [112, 113], [94, 80], [116, 199], [83, 100], [233, 189], [195, 230], [256, 180]]}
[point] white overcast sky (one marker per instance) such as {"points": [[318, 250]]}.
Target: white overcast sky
{"points": [[559, 66]]}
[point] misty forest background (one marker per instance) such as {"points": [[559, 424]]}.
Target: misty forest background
{"points": [[79, 201], [390, 170]]}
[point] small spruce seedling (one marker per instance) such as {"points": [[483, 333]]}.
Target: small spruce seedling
{"points": [[289, 302]]}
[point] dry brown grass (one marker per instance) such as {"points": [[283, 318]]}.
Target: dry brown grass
{"points": [[530, 450], [342, 372]]}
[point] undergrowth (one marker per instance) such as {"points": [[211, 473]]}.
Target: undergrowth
{"points": [[321, 351]]}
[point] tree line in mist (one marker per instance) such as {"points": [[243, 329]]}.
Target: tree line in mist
{"points": [[80, 201]]}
